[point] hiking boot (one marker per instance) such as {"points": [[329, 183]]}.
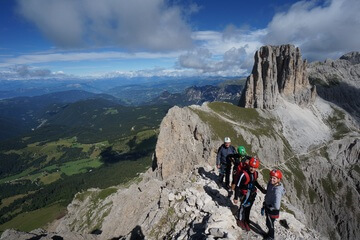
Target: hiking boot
{"points": [[247, 227], [240, 223], [267, 237]]}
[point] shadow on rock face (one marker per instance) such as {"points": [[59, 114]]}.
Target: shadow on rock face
{"points": [[209, 175], [197, 230], [136, 234], [218, 197], [344, 96], [256, 228]]}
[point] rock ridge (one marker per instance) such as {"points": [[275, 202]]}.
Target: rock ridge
{"points": [[278, 71]]}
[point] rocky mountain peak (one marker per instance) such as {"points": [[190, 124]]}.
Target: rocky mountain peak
{"points": [[353, 57], [278, 71]]}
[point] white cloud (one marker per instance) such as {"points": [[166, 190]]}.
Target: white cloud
{"points": [[148, 25], [82, 56], [201, 59], [25, 72], [328, 30], [227, 53]]}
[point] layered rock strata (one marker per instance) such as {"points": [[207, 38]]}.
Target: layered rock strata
{"points": [[278, 71], [338, 81]]}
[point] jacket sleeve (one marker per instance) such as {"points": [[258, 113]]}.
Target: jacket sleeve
{"points": [[258, 186], [278, 194], [218, 156], [237, 193]]}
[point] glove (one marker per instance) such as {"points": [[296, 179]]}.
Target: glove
{"points": [[262, 211]]}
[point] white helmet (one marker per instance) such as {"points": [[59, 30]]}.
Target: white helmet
{"points": [[227, 140]]}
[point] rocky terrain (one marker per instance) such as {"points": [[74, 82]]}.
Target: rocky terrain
{"points": [[313, 141], [338, 81], [278, 71]]}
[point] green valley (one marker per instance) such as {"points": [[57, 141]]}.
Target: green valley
{"points": [[91, 143]]}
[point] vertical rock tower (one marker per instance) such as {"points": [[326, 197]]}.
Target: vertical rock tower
{"points": [[278, 71]]}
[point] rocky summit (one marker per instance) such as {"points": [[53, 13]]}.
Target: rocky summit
{"points": [[278, 71], [314, 142]]}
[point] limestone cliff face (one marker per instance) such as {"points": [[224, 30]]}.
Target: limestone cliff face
{"points": [[183, 142], [278, 71], [338, 81]]}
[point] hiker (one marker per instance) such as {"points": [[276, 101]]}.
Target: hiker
{"points": [[245, 189], [240, 161], [222, 162], [271, 207]]}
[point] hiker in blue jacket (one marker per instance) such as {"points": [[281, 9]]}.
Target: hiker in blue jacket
{"points": [[223, 163], [274, 192]]}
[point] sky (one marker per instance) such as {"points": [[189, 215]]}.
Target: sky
{"points": [[41, 39]]}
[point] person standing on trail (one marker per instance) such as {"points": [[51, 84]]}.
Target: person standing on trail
{"points": [[245, 189], [271, 208], [222, 162], [240, 161]]}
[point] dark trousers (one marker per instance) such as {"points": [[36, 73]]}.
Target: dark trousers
{"points": [[244, 212], [227, 174], [270, 224], [225, 170]]}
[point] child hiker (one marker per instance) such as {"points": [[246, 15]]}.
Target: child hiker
{"points": [[245, 189], [274, 192]]}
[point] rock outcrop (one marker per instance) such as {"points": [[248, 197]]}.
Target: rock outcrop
{"points": [[338, 81], [278, 71], [189, 143]]}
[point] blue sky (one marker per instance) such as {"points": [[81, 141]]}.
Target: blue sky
{"points": [[96, 39]]}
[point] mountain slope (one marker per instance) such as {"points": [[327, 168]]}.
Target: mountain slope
{"points": [[314, 142], [24, 113], [338, 81]]}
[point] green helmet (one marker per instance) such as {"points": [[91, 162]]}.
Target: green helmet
{"points": [[241, 150]]}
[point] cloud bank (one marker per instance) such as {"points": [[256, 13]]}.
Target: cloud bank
{"points": [[153, 29], [25, 72], [327, 30], [146, 25]]}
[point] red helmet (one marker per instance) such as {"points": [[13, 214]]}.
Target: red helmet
{"points": [[254, 162], [276, 173]]}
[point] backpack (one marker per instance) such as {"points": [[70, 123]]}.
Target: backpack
{"points": [[247, 181]]}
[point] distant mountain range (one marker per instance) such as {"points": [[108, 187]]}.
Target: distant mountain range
{"points": [[200, 94], [22, 114], [133, 91]]}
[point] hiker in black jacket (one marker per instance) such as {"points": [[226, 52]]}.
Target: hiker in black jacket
{"points": [[223, 163]]}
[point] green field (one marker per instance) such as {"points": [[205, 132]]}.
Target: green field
{"points": [[105, 164], [91, 143], [7, 201], [75, 167], [31, 220]]}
